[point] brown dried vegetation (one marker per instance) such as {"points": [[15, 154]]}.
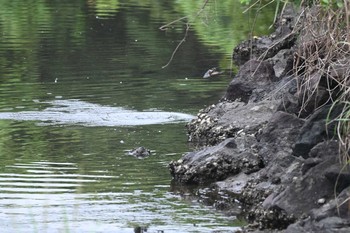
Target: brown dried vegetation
{"points": [[322, 62]]}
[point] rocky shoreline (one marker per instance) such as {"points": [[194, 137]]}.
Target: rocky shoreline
{"points": [[271, 154]]}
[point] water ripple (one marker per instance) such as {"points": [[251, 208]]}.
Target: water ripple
{"points": [[76, 112], [44, 177]]}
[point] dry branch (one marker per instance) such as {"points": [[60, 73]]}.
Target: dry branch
{"points": [[188, 26]]}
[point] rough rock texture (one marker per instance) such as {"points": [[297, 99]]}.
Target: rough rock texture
{"points": [[333, 216], [262, 153], [215, 123], [307, 189], [253, 75], [282, 63], [316, 129], [216, 163], [268, 46]]}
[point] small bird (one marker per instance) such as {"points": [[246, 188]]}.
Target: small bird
{"points": [[212, 72]]}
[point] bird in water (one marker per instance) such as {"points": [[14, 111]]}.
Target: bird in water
{"points": [[212, 72], [140, 152]]}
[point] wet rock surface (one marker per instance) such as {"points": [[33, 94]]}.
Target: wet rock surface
{"points": [[282, 168]]}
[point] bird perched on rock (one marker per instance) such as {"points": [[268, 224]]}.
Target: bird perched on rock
{"points": [[212, 72]]}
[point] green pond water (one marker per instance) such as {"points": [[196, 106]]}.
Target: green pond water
{"points": [[81, 83]]}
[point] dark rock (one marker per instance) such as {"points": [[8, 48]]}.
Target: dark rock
{"points": [[309, 163], [320, 153], [316, 129], [285, 22], [261, 48], [325, 150], [276, 180], [215, 123], [340, 207], [253, 74], [295, 193], [268, 46], [339, 176], [304, 192], [258, 72], [314, 93], [274, 218], [239, 89], [289, 104], [327, 225], [282, 62], [250, 49], [234, 184], [260, 195], [282, 127], [214, 164], [279, 135]]}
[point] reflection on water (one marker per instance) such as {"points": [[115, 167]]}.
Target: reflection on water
{"points": [[65, 65]]}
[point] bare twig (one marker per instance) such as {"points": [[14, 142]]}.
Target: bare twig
{"points": [[188, 26], [164, 27], [178, 45]]}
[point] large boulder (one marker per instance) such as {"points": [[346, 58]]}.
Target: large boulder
{"points": [[332, 224], [279, 135], [303, 193], [319, 127], [227, 119], [331, 217], [216, 163], [252, 75]]}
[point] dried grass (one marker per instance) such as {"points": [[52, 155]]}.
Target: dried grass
{"points": [[323, 60]]}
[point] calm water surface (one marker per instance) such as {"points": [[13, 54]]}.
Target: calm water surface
{"points": [[81, 83]]}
